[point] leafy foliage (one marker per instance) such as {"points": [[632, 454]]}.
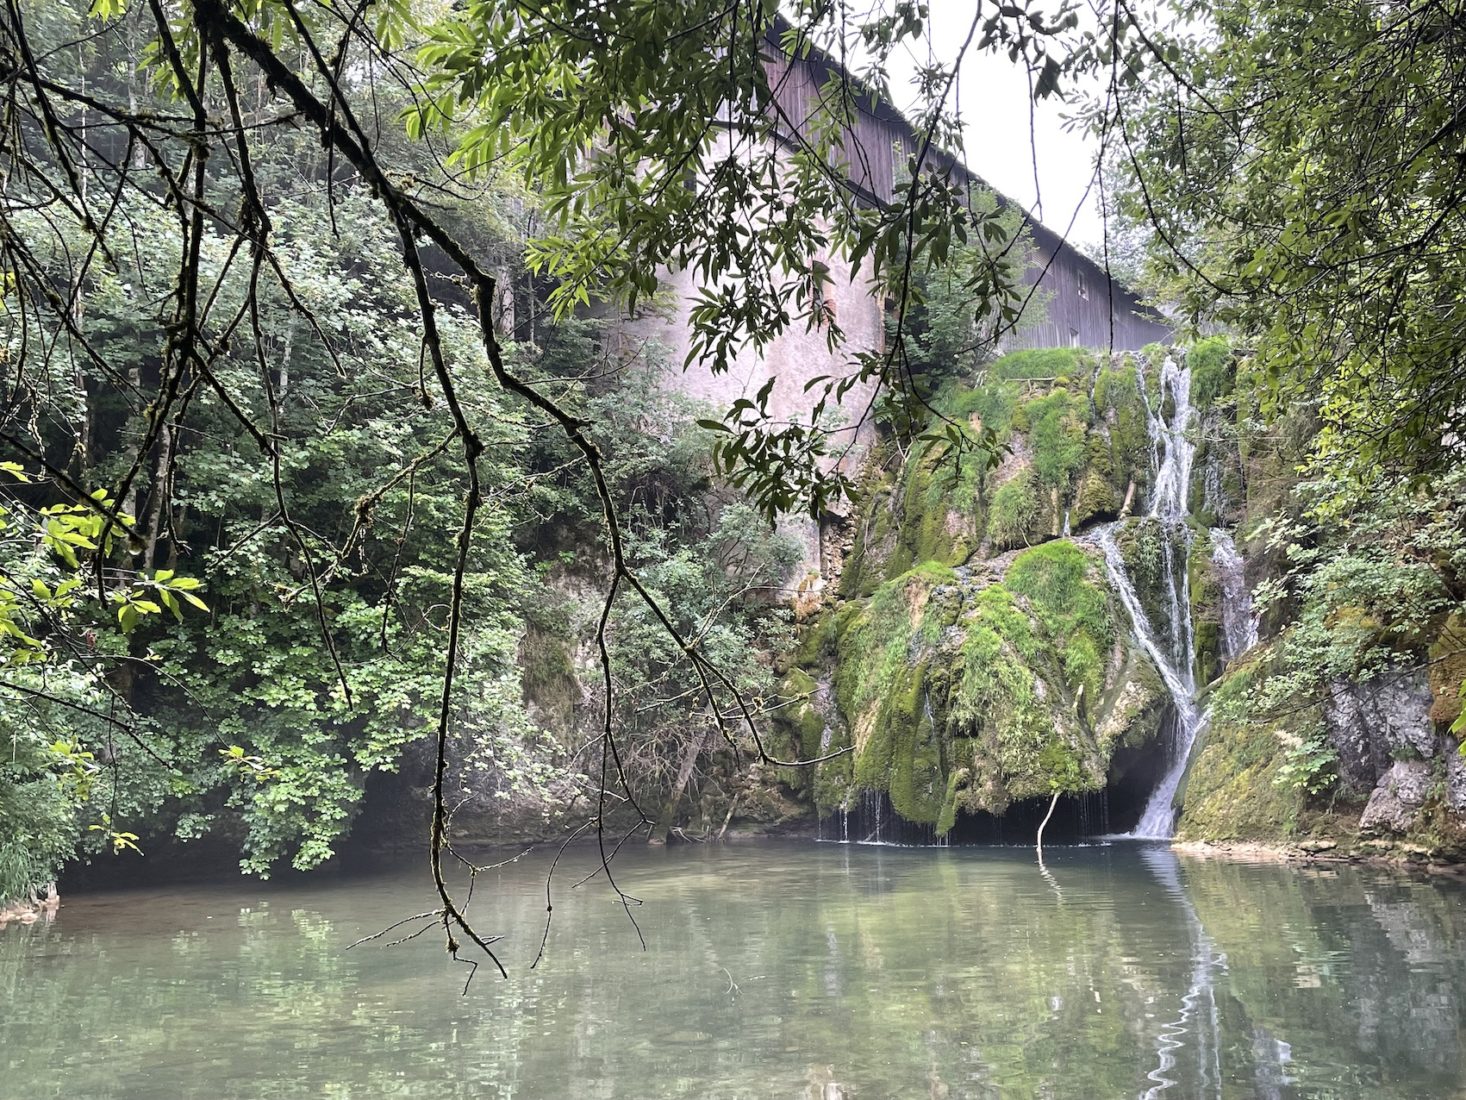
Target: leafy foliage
{"points": [[1302, 173]]}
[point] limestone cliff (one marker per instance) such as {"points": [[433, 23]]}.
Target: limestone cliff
{"points": [[977, 657], [1077, 613]]}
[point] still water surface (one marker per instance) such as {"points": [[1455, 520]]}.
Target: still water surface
{"points": [[771, 970]]}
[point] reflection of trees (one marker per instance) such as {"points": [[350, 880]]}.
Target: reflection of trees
{"points": [[1352, 971], [771, 971]]}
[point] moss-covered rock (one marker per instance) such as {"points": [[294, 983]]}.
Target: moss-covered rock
{"points": [[1204, 588], [1035, 672], [884, 648], [1213, 371], [1447, 657], [967, 692], [1232, 790]]}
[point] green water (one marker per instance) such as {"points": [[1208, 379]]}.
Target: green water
{"points": [[771, 970]]}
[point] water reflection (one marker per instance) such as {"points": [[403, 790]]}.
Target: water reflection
{"points": [[1197, 1029], [771, 971]]}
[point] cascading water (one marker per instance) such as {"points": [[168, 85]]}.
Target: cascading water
{"points": [[1239, 622], [1158, 820], [1172, 452]]}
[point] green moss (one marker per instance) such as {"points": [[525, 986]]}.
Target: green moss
{"points": [[875, 543], [1119, 408], [548, 674], [1231, 790], [883, 652], [1041, 364], [958, 696], [816, 646], [939, 505], [798, 725], [934, 508], [1035, 648], [1059, 582], [1014, 507], [1056, 435], [1213, 371], [1204, 591], [947, 818], [1447, 658], [1095, 499], [833, 781]]}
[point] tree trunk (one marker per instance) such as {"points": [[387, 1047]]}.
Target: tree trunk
{"points": [[695, 745], [160, 495]]}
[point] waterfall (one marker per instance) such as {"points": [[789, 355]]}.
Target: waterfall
{"points": [[1159, 817], [1172, 453], [1171, 450], [1171, 456], [1239, 622]]}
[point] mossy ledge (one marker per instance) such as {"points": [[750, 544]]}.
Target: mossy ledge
{"points": [[965, 689]]}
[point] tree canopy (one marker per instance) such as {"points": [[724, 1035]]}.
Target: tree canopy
{"points": [[292, 296]]}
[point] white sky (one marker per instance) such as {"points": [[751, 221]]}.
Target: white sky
{"points": [[992, 94]]}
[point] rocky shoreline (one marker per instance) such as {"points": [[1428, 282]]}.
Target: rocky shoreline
{"points": [[1316, 851]]}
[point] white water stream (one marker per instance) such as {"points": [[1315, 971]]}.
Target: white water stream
{"points": [[1239, 621], [1171, 457]]}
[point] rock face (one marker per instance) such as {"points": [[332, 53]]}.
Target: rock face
{"points": [[969, 689], [1398, 779], [1390, 751], [1395, 802], [1372, 724], [978, 657]]}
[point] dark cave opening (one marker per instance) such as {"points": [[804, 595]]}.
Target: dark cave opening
{"points": [[1134, 774]]}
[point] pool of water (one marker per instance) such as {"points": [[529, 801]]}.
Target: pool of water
{"points": [[771, 970]]}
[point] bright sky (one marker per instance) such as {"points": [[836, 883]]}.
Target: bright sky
{"points": [[992, 94]]}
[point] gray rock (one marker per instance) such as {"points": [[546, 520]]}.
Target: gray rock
{"points": [[1371, 724], [1455, 778], [1397, 800]]}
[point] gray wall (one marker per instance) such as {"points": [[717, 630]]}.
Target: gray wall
{"points": [[1085, 307]]}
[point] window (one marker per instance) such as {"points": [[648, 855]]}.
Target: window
{"points": [[1082, 285], [1073, 337]]}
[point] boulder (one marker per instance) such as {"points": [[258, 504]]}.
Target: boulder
{"points": [[1394, 804]]}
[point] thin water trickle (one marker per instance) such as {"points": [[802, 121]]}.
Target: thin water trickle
{"points": [[1239, 620]]}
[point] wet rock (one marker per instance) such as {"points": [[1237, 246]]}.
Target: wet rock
{"points": [[1396, 801], [1373, 723], [1455, 779]]}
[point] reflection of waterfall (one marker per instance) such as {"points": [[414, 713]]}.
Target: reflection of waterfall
{"points": [[1171, 456], [1239, 623], [1197, 1028]]}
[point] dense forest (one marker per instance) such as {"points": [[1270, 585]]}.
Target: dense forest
{"points": [[340, 505]]}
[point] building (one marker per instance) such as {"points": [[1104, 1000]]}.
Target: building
{"points": [[1081, 305]]}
